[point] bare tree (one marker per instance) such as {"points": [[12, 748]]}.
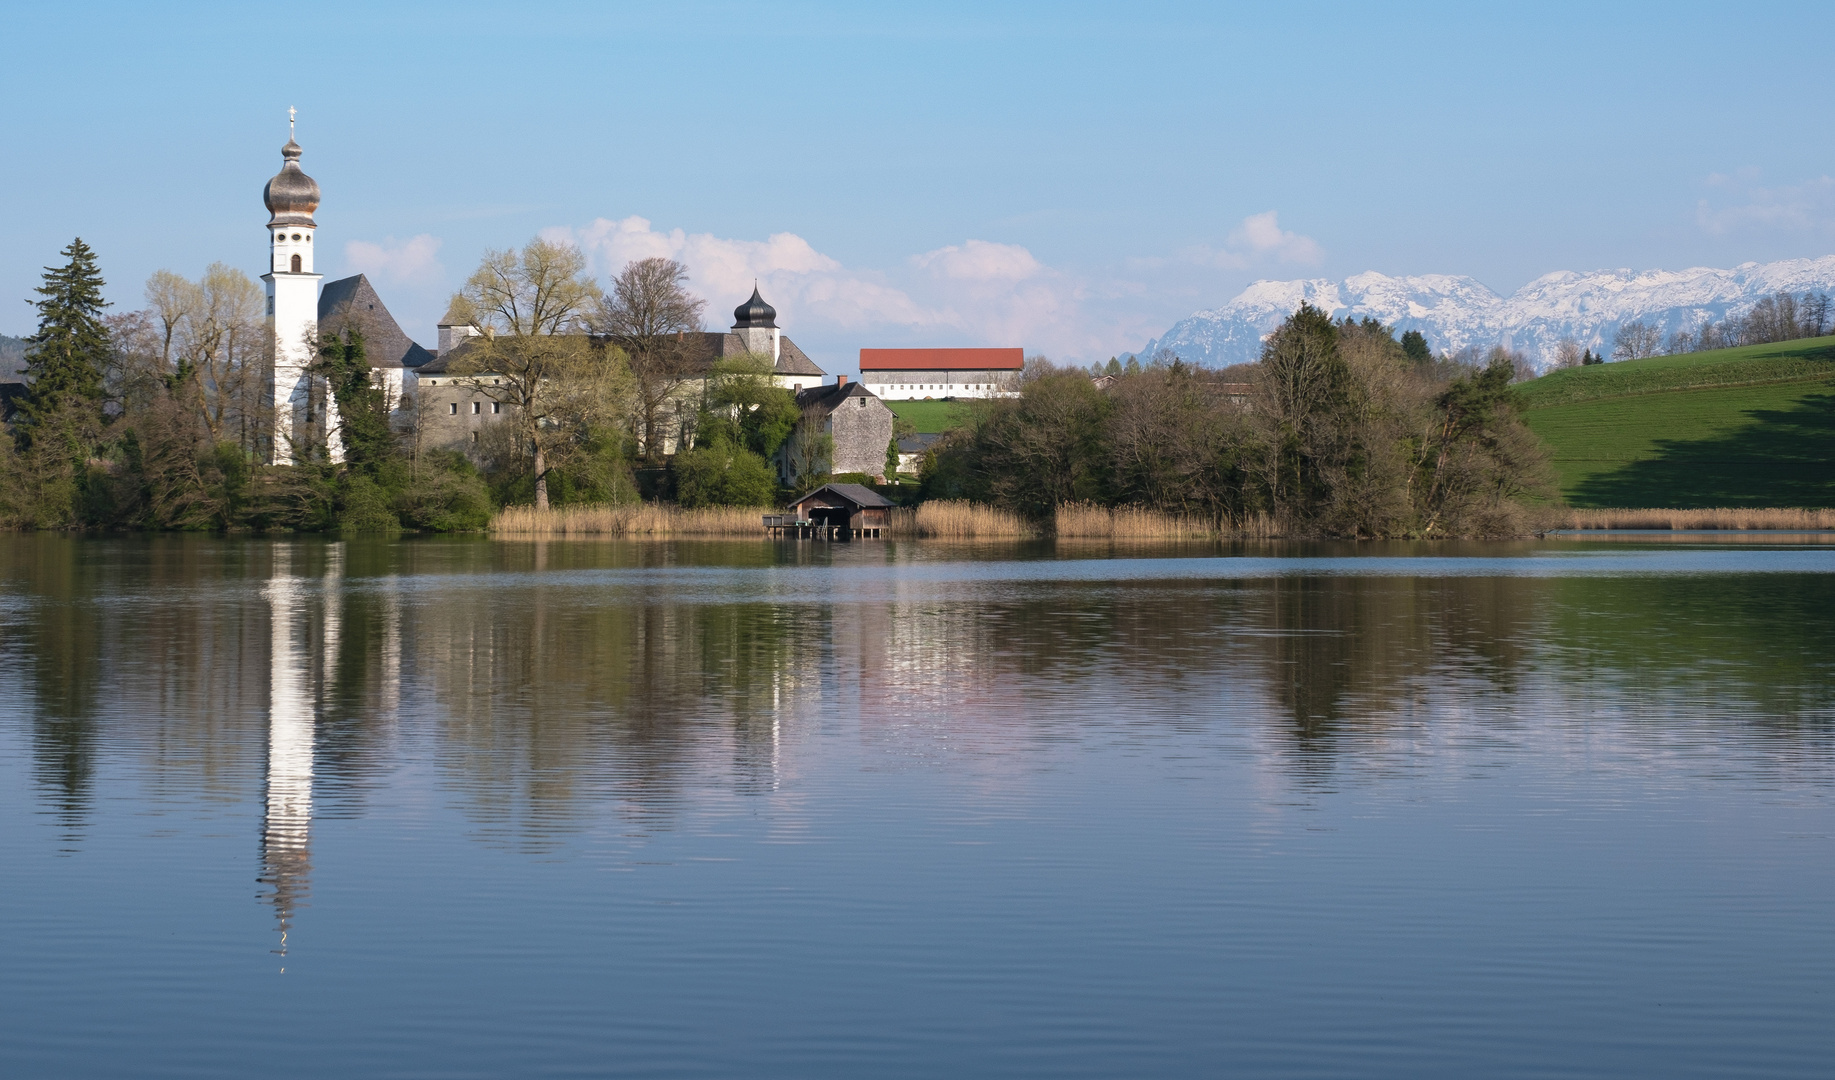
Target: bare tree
{"points": [[171, 299], [1636, 340], [1568, 353], [647, 314], [533, 352]]}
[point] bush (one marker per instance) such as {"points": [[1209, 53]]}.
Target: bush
{"points": [[723, 476], [363, 507], [454, 499]]}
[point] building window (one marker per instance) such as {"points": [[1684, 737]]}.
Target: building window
{"points": [[296, 264], [477, 407], [496, 407], [474, 438], [296, 236], [453, 408]]}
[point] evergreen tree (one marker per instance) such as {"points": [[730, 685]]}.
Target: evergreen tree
{"points": [[65, 358], [1114, 367], [1414, 343]]}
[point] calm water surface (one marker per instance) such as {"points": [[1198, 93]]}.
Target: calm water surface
{"points": [[473, 809]]}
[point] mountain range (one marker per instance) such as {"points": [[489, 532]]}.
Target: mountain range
{"points": [[1457, 312]]}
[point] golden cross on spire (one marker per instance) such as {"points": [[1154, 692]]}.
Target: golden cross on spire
{"points": [[291, 113]]}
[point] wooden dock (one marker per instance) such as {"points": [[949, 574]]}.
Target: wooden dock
{"points": [[792, 527]]}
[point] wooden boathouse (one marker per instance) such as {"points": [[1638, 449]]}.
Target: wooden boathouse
{"points": [[834, 512]]}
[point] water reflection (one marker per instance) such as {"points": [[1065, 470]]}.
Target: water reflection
{"points": [[545, 683], [286, 832]]}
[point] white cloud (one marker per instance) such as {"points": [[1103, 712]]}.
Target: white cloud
{"points": [[413, 262], [1257, 242], [1739, 203], [978, 292], [979, 260]]}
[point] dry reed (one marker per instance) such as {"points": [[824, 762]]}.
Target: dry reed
{"points": [[635, 519], [954, 520], [1787, 519], [1127, 523]]}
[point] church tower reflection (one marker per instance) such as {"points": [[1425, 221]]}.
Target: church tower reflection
{"points": [[286, 833]]}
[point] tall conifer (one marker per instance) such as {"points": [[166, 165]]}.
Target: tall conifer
{"points": [[65, 358]]}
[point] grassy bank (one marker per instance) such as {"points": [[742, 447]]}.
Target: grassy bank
{"points": [[1742, 428]]}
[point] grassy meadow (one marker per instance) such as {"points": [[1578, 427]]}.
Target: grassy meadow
{"points": [[1744, 427], [931, 417]]}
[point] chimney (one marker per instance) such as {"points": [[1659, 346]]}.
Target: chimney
{"points": [[841, 380]]}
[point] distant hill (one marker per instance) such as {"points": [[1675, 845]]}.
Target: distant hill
{"points": [[1456, 312], [1733, 427]]}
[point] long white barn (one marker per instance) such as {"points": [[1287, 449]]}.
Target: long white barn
{"points": [[919, 374]]}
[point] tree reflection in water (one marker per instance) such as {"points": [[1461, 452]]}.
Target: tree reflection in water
{"points": [[549, 682]]}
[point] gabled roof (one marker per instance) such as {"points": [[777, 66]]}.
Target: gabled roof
{"points": [[794, 361], [858, 494], [830, 396], [385, 345], [942, 360], [703, 347]]}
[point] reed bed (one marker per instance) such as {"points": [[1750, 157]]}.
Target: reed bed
{"points": [[1081, 520], [635, 519], [1788, 519], [956, 520]]}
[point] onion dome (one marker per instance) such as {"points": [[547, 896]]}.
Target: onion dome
{"points": [[755, 313], [291, 196]]}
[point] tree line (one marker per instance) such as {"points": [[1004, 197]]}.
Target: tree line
{"points": [[161, 418], [1341, 430], [1782, 316]]}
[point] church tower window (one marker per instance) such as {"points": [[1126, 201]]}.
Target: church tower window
{"points": [[296, 264]]}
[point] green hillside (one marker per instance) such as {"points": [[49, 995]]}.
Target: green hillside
{"points": [[1735, 427], [930, 417]]}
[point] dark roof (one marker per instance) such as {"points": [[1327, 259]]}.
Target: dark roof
{"points": [[754, 313], [384, 342], [794, 361], [291, 196], [704, 347], [830, 396], [857, 494]]}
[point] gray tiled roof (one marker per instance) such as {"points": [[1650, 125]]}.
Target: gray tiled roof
{"points": [[831, 395], [384, 342], [792, 360], [857, 494]]}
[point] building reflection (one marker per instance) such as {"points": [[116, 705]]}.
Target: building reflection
{"points": [[546, 686], [304, 622]]}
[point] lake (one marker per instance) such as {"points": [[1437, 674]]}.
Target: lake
{"points": [[462, 808]]}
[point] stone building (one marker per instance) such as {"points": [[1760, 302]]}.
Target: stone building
{"points": [[857, 420]]}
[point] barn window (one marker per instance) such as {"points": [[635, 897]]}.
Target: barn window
{"points": [[496, 407], [296, 264], [477, 407], [453, 408]]}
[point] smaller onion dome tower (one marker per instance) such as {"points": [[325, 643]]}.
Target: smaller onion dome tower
{"points": [[293, 306], [756, 324]]}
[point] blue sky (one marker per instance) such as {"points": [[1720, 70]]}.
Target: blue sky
{"points": [[1070, 178]]}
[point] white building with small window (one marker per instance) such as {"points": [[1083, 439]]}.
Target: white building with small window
{"points": [[923, 374]]}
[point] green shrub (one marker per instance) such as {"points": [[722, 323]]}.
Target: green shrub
{"points": [[363, 507], [723, 476]]}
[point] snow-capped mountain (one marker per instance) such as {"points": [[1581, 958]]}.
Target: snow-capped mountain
{"points": [[1455, 312]]}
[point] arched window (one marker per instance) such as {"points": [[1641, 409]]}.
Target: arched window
{"points": [[296, 264]]}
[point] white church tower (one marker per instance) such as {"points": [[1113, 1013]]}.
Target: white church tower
{"points": [[293, 308]]}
